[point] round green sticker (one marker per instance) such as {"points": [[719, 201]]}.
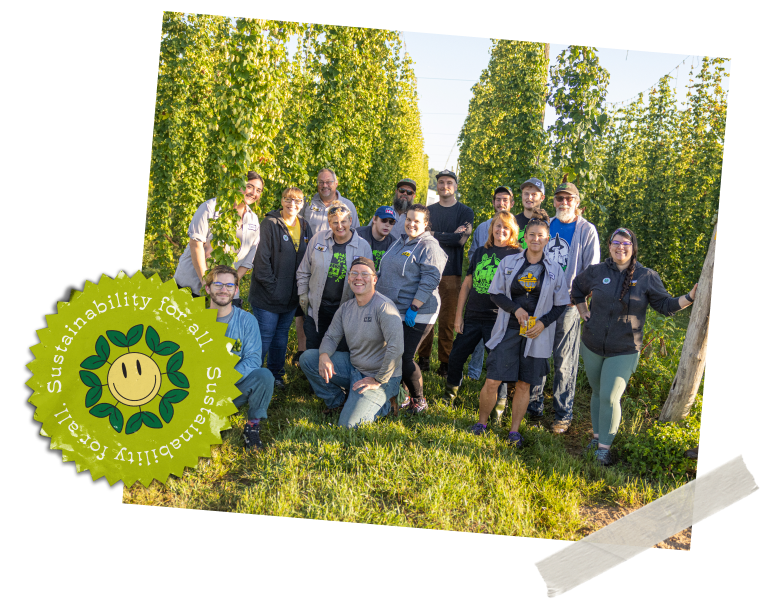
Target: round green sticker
{"points": [[133, 379]]}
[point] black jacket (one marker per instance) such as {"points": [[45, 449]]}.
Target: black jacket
{"points": [[273, 287], [615, 327]]}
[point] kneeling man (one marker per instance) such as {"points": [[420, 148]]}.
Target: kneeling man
{"points": [[371, 370], [257, 383]]}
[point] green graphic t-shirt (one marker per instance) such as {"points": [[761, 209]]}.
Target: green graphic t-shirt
{"points": [[483, 266], [336, 277]]}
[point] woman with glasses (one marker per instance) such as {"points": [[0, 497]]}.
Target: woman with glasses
{"points": [[409, 276], [481, 312], [622, 289], [530, 291], [321, 277], [192, 267], [273, 289]]}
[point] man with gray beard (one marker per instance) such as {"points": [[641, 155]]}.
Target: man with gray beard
{"points": [[405, 193], [574, 244]]}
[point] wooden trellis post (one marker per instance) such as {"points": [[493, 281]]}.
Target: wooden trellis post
{"points": [[693, 359]]}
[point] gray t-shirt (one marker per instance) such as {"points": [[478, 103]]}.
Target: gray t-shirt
{"points": [[374, 334], [226, 318]]}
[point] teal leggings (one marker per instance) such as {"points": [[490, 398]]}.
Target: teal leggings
{"points": [[608, 377]]}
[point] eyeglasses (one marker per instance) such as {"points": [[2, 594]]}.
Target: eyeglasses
{"points": [[253, 190], [334, 210], [326, 183], [359, 274], [298, 201], [219, 286], [406, 191], [623, 243]]}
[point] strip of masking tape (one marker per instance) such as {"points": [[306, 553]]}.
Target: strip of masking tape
{"points": [[646, 527]]}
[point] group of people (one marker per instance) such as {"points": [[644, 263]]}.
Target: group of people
{"points": [[365, 299]]}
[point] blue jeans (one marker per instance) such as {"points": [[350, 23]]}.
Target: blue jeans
{"points": [[475, 366], [274, 332], [256, 389], [357, 408], [566, 359]]}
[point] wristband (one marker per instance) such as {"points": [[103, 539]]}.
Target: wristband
{"points": [[689, 300], [414, 308]]}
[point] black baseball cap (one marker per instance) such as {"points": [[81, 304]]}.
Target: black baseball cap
{"points": [[363, 261], [503, 189], [448, 173]]}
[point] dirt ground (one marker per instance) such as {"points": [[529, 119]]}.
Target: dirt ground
{"points": [[598, 516]]}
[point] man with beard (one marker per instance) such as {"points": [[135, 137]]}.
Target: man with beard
{"points": [[257, 383], [405, 193], [193, 263], [532, 195], [574, 244], [315, 213]]}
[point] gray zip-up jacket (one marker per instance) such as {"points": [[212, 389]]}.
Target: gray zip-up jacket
{"points": [[412, 269], [584, 250], [554, 291], [315, 212], [312, 272]]}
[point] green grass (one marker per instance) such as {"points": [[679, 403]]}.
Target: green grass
{"points": [[421, 471]]}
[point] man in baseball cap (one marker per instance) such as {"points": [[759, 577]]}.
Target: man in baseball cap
{"points": [[574, 245], [378, 232], [405, 194], [532, 195]]}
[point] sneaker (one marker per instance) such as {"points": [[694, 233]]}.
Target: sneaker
{"points": [[252, 437], [603, 456], [593, 444], [450, 393], [416, 405], [478, 429], [442, 370], [560, 426], [279, 384], [514, 438], [423, 363]]}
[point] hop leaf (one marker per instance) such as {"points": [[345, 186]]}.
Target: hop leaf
{"points": [[93, 395], [151, 420], [175, 363], [166, 410], [93, 362], [175, 396], [116, 420], [102, 348], [178, 379], [152, 339], [134, 423], [89, 379], [118, 339], [102, 410], [134, 335], [166, 348]]}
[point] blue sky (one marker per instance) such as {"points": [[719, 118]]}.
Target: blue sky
{"points": [[448, 66]]}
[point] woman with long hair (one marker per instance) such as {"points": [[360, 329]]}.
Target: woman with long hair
{"points": [[530, 288], [622, 289], [475, 323], [409, 275]]}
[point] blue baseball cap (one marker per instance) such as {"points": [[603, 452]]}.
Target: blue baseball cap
{"points": [[386, 213], [534, 182]]}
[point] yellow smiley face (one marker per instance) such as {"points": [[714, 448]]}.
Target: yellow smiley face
{"points": [[134, 379]]}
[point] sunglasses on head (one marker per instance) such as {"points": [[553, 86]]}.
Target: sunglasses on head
{"points": [[334, 210]]}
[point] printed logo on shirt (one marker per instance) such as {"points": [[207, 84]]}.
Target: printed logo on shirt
{"points": [[558, 251], [319, 247], [315, 208], [633, 282], [285, 238], [552, 275], [484, 273], [252, 227], [528, 281], [605, 281], [337, 271], [508, 271], [368, 319], [377, 254], [406, 253]]}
